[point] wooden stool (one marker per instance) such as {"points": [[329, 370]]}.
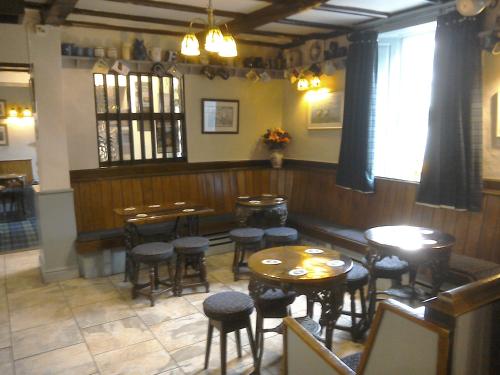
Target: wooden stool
{"points": [[190, 253], [244, 239], [228, 312], [357, 279], [280, 236], [152, 254]]}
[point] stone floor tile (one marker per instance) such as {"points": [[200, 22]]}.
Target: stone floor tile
{"points": [[87, 294], [164, 309], [102, 312], [6, 363], [23, 299], [74, 360], [39, 315], [24, 280], [45, 338], [5, 335], [177, 333], [145, 358], [116, 335]]}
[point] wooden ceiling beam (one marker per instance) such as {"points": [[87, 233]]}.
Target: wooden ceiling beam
{"points": [[165, 21], [95, 25], [179, 7], [57, 11], [352, 11], [272, 13], [316, 25]]}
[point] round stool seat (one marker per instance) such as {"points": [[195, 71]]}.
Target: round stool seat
{"points": [[282, 234], [228, 306], [153, 251], [246, 235], [191, 245], [390, 268], [357, 277], [275, 299]]}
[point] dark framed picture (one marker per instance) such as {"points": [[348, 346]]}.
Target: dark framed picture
{"points": [[4, 136], [3, 108], [220, 116]]}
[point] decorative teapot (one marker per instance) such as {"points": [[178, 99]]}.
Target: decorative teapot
{"points": [[139, 50]]}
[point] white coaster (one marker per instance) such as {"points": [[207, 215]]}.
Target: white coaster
{"points": [[279, 199], [188, 210], [267, 195], [129, 209], [426, 231], [132, 220], [314, 251], [141, 215], [335, 263], [154, 206], [297, 272], [244, 197], [254, 202], [271, 261], [179, 203]]}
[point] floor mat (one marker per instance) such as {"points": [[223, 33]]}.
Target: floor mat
{"points": [[18, 234]]}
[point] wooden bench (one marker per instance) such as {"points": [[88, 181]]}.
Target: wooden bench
{"points": [[463, 269]]}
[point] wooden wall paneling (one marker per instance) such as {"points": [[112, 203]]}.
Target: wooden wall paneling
{"points": [[77, 204], [147, 190], [17, 166], [273, 181], [416, 215], [107, 207], [228, 190], [488, 248], [219, 192], [408, 203], [474, 231], [460, 231], [157, 188], [116, 189]]}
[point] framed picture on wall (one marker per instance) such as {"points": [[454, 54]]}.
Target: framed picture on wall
{"points": [[4, 136], [3, 108], [220, 116], [326, 111]]}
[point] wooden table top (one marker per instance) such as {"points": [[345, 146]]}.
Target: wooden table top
{"points": [[263, 200], [298, 257], [409, 238], [158, 213]]}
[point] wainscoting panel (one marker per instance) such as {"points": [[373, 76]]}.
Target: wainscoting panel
{"points": [[311, 190]]}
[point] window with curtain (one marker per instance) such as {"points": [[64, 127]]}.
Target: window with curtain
{"points": [[405, 66], [140, 117]]}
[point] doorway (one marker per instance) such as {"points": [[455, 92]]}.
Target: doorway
{"points": [[18, 159]]}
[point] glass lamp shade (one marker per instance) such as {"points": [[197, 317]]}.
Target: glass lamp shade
{"points": [[315, 82], [190, 45], [13, 112], [302, 84], [214, 40], [228, 47]]}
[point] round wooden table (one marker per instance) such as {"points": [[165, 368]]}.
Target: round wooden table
{"points": [[322, 282], [265, 210], [418, 246]]}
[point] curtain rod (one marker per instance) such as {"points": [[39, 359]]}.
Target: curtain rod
{"points": [[407, 19]]}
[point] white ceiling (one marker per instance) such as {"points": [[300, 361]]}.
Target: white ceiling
{"points": [[311, 16]]}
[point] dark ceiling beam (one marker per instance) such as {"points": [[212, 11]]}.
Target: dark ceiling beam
{"points": [[164, 21], [179, 7], [316, 25], [272, 13], [57, 11], [95, 25], [352, 11]]}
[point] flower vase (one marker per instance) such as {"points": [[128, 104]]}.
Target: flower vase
{"points": [[276, 158]]}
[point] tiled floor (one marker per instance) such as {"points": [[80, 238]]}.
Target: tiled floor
{"points": [[93, 327]]}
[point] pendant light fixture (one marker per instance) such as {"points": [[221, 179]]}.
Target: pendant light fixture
{"points": [[215, 41]]}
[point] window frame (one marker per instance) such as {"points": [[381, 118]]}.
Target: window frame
{"points": [[166, 119]]}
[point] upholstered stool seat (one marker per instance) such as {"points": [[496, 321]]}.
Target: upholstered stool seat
{"points": [[190, 253], [281, 236], [228, 312], [152, 254], [390, 268], [357, 279], [352, 361], [244, 239], [191, 245], [275, 301]]}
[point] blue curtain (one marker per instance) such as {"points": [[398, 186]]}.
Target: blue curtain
{"points": [[451, 174], [355, 170]]}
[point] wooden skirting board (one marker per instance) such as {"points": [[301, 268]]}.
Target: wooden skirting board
{"points": [[310, 187]]}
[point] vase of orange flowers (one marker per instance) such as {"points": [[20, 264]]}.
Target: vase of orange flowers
{"points": [[276, 140]]}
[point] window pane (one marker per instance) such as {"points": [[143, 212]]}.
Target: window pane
{"points": [[156, 94], [102, 143], [159, 139], [111, 93], [122, 88], [147, 139], [100, 98], [166, 94], [114, 134], [145, 93], [125, 141], [177, 95], [179, 139], [137, 140], [134, 94]]}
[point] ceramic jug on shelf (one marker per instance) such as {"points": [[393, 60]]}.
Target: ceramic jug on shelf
{"points": [[155, 54]]}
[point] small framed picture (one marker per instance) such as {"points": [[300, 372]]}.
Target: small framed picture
{"points": [[4, 137], [220, 116], [326, 112], [3, 108]]}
